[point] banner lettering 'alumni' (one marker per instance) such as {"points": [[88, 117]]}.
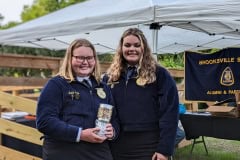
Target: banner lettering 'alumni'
{"points": [[212, 77]]}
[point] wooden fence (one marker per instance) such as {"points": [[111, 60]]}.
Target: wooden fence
{"points": [[11, 97]]}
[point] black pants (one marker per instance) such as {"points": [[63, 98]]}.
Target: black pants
{"points": [[76, 151], [135, 145]]}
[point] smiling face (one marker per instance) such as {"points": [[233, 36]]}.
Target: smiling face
{"points": [[132, 49], [83, 61]]}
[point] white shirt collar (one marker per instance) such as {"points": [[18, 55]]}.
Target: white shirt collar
{"points": [[80, 79]]}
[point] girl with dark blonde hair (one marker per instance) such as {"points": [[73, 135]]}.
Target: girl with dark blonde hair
{"points": [[68, 106], [146, 100]]}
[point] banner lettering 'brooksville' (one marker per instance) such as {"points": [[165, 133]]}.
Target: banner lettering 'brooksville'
{"points": [[212, 77]]}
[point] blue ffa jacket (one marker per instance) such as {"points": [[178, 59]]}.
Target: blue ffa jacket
{"points": [[149, 107], [64, 107]]}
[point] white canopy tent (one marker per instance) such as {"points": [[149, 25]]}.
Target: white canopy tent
{"points": [[184, 25]]}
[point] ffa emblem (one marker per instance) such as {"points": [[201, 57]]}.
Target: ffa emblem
{"points": [[101, 93], [112, 84], [76, 95], [140, 82], [227, 78]]}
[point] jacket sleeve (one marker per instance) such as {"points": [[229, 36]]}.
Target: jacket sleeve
{"points": [[114, 119], [48, 113], [168, 109]]}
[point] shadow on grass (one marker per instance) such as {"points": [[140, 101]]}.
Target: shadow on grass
{"points": [[218, 149]]}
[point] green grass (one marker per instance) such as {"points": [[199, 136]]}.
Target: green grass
{"points": [[218, 149]]}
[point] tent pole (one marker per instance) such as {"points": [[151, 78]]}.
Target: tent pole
{"points": [[155, 27], [155, 40]]}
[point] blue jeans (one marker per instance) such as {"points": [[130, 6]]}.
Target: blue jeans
{"points": [[180, 136]]}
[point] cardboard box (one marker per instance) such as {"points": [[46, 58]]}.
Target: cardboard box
{"points": [[223, 111]]}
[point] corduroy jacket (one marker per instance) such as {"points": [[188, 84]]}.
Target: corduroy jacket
{"points": [[63, 107], [148, 107]]}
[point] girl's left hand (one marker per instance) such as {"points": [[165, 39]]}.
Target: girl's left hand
{"points": [[109, 131], [159, 156]]}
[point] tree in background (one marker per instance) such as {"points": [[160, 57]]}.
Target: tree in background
{"points": [[43, 7], [169, 60], [9, 25], [1, 18], [38, 9]]}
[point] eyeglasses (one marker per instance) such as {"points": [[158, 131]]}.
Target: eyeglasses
{"points": [[82, 58]]}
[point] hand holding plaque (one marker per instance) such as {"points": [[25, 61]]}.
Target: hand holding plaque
{"points": [[104, 117]]}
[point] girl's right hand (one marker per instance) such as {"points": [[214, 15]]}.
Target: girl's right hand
{"points": [[89, 135]]}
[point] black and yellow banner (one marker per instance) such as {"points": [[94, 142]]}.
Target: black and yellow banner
{"points": [[212, 77]]}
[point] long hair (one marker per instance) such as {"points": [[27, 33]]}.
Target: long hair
{"points": [[147, 63], [66, 70]]}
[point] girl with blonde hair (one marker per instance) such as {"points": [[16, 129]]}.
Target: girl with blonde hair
{"points": [[146, 100]]}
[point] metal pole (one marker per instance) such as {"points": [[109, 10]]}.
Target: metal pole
{"points": [[155, 27]]}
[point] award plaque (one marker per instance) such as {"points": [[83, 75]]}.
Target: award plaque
{"points": [[103, 117]]}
